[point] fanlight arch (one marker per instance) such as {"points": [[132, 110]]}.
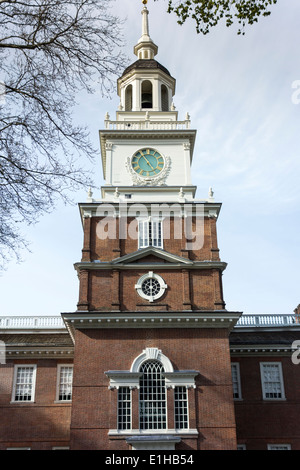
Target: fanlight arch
{"points": [[151, 353]]}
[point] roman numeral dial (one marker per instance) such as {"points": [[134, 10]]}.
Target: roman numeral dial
{"points": [[147, 162]]}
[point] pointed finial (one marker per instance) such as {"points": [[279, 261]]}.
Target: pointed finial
{"points": [[145, 48]]}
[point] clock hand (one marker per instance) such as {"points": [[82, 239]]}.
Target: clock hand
{"points": [[148, 162]]}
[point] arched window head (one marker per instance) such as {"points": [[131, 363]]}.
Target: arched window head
{"points": [[152, 354], [164, 98], [146, 94]]}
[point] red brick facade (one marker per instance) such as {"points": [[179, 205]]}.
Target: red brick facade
{"points": [[94, 407], [42, 425], [114, 325]]}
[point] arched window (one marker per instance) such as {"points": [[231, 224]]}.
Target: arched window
{"points": [[164, 98], [146, 94], [128, 98], [152, 396], [150, 376]]}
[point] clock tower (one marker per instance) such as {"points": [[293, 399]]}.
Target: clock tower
{"points": [[151, 363]]}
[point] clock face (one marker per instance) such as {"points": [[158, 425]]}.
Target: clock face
{"points": [[147, 162]]}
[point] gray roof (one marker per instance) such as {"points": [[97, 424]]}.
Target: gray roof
{"points": [[42, 340], [146, 64], [237, 338]]}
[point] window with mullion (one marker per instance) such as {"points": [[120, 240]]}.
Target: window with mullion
{"points": [[65, 383], [236, 381], [124, 408], [24, 383], [150, 233], [181, 408], [152, 397], [272, 381]]}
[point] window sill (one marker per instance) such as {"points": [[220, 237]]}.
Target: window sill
{"points": [[138, 432], [273, 399], [62, 402]]}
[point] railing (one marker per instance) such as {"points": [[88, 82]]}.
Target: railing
{"points": [[26, 322], [56, 322], [146, 125], [265, 320]]}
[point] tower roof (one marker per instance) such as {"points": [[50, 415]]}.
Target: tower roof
{"points": [[146, 64]]}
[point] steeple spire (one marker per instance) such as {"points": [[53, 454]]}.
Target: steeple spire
{"points": [[145, 48]]}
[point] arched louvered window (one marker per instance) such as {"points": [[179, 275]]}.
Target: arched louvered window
{"points": [[128, 98], [164, 98], [152, 396], [146, 94]]}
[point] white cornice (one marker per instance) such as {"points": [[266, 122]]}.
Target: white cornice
{"points": [[150, 319], [261, 350], [35, 352], [93, 209], [108, 265]]}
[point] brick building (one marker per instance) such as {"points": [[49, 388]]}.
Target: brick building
{"points": [[151, 358]]}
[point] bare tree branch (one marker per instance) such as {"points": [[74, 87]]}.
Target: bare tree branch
{"points": [[49, 51]]}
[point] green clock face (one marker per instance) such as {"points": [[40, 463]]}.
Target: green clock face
{"points": [[147, 162]]}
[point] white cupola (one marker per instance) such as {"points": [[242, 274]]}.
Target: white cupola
{"points": [[146, 152], [146, 85]]}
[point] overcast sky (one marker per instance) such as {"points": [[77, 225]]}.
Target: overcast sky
{"points": [[240, 96]]}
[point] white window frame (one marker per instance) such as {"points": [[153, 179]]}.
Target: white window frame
{"points": [[159, 279], [177, 406], [143, 239], [14, 389], [59, 367], [153, 411], [126, 424], [173, 379], [236, 365], [263, 383]]}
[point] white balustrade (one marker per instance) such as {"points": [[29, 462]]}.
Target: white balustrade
{"points": [[34, 322], [146, 125], [56, 322]]}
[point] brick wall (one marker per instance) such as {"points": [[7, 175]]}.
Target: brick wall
{"points": [[261, 422], [42, 424], [97, 247], [94, 405]]}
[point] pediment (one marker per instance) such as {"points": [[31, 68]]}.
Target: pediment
{"points": [[152, 255]]}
